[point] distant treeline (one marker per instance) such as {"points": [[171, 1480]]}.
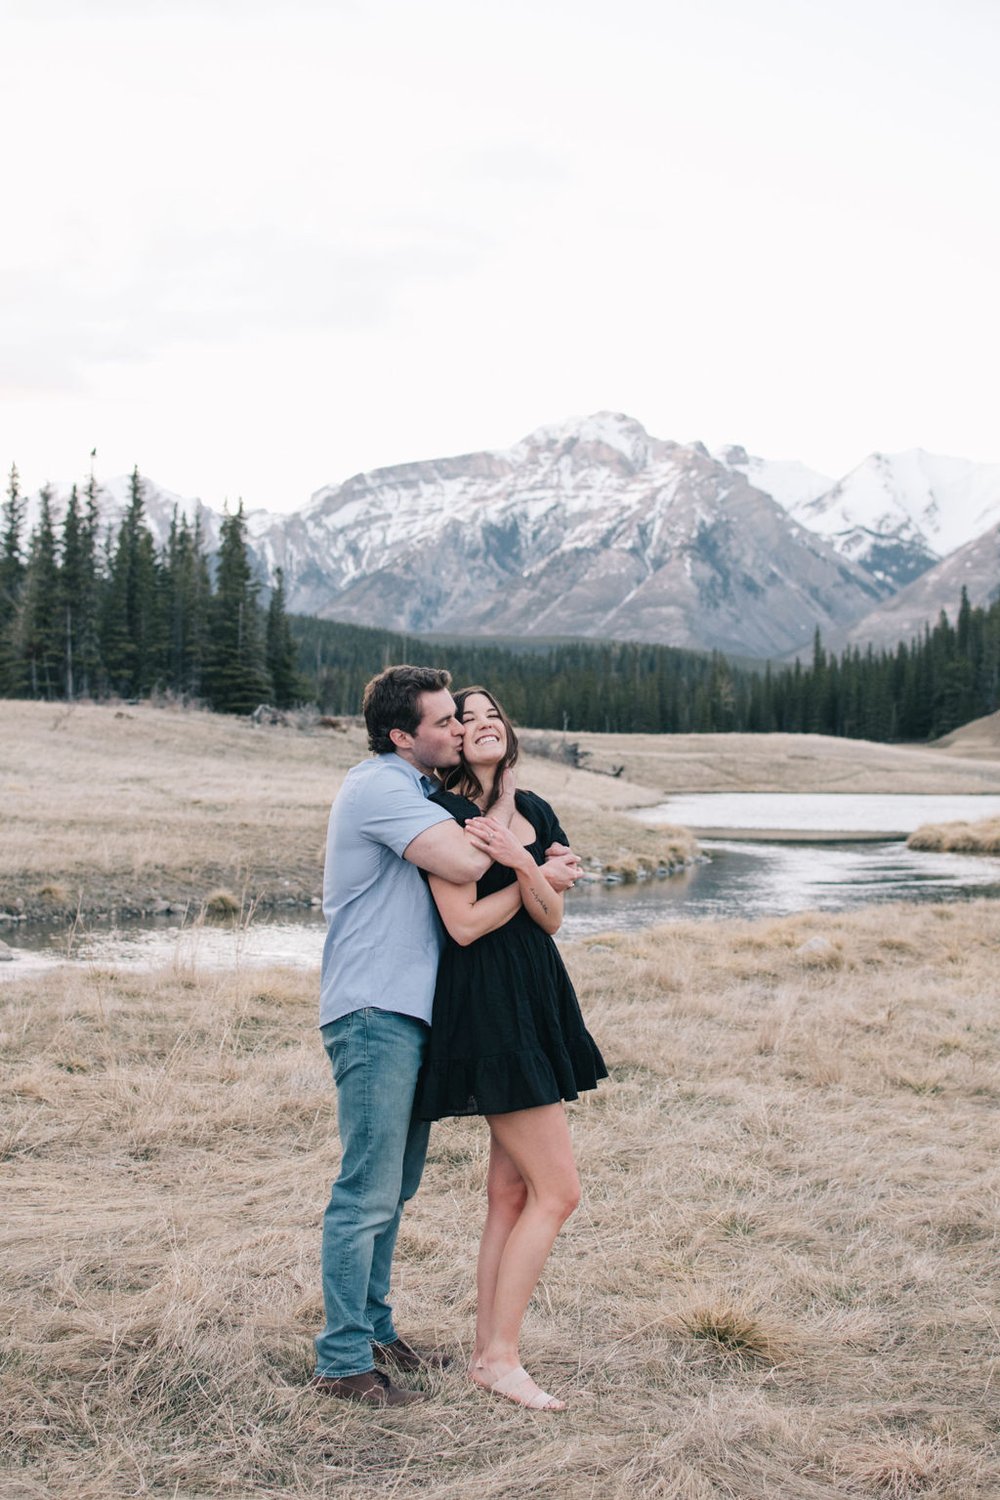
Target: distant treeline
{"points": [[916, 691], [86, 613], [92, 613]]}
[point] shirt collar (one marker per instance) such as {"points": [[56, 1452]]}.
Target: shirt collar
{"points": [[428, 784]]}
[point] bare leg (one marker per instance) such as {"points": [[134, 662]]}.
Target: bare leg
{"points": [[537, 1144], [506, 1195]]}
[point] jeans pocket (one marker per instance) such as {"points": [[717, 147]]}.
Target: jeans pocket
{"points": [[337, 1041]]}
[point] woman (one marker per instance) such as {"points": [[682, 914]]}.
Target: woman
{"points": [[508, 1040]]}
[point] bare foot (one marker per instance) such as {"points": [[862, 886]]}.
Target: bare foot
{"points": [[514, 1384]]}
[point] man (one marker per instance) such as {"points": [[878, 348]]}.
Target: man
{"points": [[379, 968]]}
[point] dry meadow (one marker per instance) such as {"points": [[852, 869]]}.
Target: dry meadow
{"points": [[781, 1284], [966, 761]]}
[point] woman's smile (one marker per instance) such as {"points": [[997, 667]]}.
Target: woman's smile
{"points": [[484, 732]]}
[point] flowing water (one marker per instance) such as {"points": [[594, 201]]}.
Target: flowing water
{"points": [[739, 879]]}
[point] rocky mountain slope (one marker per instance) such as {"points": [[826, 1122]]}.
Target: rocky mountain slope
{"points": [[975, 567], [595, 528], [898, 514], [591, 528]]}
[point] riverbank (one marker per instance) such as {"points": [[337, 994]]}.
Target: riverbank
{"points": [[796, 762], [958, 838], [153, 811], [780, 1284], [137, 810]]}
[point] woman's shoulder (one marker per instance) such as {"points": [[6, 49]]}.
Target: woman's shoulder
{"points": [[459, 807], [542, 815], [529, 802]]}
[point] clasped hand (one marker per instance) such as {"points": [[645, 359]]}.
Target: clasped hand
{"points": [[562, 868]]}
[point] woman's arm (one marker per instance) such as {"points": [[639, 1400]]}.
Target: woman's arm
{"points": [[466, 918], [541, 901]]}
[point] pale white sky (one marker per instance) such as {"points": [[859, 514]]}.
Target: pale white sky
{"points": [[256, 247]]}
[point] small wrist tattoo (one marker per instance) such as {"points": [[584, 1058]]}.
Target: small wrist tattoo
{"points": [[540, 900]]}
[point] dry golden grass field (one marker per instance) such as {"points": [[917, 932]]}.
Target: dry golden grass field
{"points": [[782, 1283]]}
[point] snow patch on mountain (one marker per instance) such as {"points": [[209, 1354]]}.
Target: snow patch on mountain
{"points": [[786, 480], [925, 498]]}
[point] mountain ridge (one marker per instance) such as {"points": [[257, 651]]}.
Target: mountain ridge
{"points": [[594, 527]]}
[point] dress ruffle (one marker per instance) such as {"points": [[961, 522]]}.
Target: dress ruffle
{"points": [[506, 1081]]}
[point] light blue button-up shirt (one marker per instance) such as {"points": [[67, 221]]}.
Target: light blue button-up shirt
{"points": [[384, 936]]}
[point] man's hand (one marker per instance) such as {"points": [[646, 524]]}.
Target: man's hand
{"points": [[562, 868]]}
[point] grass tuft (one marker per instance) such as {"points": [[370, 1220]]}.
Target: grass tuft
{"points": [[222, 903], [735, 1331], [982, 837], [902, 1470], [52, 890]]}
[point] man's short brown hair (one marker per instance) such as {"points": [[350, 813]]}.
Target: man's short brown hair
{"points": [[392, 701]]}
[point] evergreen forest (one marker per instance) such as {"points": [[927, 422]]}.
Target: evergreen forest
{"points": [[92, 614], [917, 691]]}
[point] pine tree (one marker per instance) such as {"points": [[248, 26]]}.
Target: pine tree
{"points": [[39, 623], [281, 649], [12, 570], [187, 590], [88, 671], [132, 635], [78, 599], [236, 679]]}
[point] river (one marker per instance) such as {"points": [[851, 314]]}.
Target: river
{"points": [[752, 877]]}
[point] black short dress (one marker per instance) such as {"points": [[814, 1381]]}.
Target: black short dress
{"points": [[506, 1030]]}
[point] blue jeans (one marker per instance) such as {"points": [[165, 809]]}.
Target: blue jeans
{"points": [[376, 1056]]}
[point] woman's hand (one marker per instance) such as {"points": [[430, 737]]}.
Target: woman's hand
{"points": [[490, 836], [542, 902]]}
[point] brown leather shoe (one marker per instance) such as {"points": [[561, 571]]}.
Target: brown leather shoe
{"points": [[402, 1356], [371, 1387]]}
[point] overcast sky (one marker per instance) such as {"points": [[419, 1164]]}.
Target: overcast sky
{"points": [[256, 247]]}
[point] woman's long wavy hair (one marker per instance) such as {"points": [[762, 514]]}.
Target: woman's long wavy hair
{"points": [[462, 779]]}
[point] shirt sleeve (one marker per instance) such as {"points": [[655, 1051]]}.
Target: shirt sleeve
{"points": [[394, 811], [550, 830]]}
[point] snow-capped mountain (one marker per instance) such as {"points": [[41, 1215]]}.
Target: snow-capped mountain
{"points": [[592, 527], [898, 514], [974, 567], [786, 480]]}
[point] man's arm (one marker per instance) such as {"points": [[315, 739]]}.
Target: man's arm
{"points": [[458, 860], [444, 850]]}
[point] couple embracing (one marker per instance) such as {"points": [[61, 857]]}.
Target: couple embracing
{"points": [[442, 889]]}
